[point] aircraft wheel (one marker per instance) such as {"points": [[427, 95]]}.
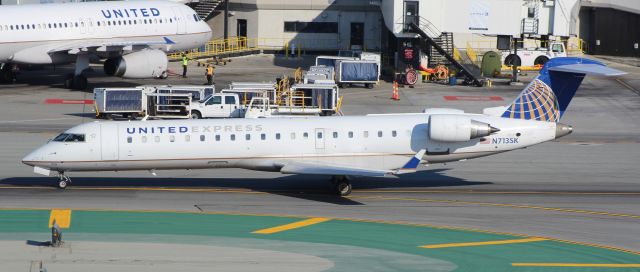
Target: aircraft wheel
{"points": [[80, 82], [343, 188], [68, 82], [64, 182]]}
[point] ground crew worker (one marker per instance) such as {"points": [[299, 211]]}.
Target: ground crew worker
{"points": [[185, 61], [210, 74], [56, 235]]}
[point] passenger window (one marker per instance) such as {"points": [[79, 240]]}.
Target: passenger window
{"points": [[305, 135], [233, 137], [319, 135], [380, 133], [365, 134], [129, 139], [263, 136], [216, 100], [218, 138], [157, 139], [247, 137], [277, 136], [202, 138], [350, 134], [293, 135], [172, 138], [144, 139], [335, 134], [187, 138], [394, 133], [230, 100]]}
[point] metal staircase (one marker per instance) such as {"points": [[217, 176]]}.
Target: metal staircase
{"points": [[446, 42], [442, 43], [204, 8]]}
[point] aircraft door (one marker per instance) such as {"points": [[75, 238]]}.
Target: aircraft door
{"points": [[320, 138], [109, 141], [180, 21]]}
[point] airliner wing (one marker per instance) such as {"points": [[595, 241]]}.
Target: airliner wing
{"points": [[332, 170], [311, 168], [107, 45]]}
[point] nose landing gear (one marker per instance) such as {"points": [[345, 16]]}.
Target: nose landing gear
{"points": [[341, 185], [64, 181]]}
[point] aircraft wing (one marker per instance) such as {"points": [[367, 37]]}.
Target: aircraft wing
{"points": [[313, 168], [108, 46], [309, 168]]}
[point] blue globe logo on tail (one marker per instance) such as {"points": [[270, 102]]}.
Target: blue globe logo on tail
{"points": [[547, 97], [536, 102]]}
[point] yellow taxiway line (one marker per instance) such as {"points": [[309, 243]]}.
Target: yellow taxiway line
{"points": [[62, 217], [294, 225], [576, 265], [500, 242]]}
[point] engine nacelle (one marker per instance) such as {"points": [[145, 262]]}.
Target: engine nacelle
{"points": [[148, 63], [457, 128]]}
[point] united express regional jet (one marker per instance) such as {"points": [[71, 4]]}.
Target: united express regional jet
{"points": [[132, 36], [340, 147]]}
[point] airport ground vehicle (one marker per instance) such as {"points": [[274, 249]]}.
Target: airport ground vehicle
{"points": [[534, 56], [366, 72], [149, 100]]}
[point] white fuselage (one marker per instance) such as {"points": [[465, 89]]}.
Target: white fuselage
{"points": [[35, 34], [376, 141]]}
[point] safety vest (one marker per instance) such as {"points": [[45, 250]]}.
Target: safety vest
{"points": [[185, 60], [209, 71]]}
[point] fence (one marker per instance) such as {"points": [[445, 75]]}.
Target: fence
{"points": [[234, 45]]}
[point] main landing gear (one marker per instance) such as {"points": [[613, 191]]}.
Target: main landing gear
{"points": [[64, 181], [78, 81], [341, 185]]}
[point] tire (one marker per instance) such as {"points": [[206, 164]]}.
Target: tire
{"points": [[108, 116], [68, 82], [196, 115], [509, 60], [369, 86], [62, 184], [133, 116], [343, 188], [542, 60], [79, 83], [164, 75]]}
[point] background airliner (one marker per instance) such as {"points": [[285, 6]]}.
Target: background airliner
{"points": [[132, 35], [372, 145]]}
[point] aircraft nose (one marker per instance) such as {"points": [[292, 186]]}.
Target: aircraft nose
{"points": [[32, 158]]}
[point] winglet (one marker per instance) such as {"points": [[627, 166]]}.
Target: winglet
{"points": [[168, 41], [412, 164]]}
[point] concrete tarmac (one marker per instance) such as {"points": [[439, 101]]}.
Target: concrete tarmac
{"points": [[583, 187]]}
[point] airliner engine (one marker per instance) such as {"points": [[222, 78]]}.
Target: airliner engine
{"points": [[457, 128], [148, 63]]}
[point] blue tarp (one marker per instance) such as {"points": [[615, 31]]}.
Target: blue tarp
{"points": [[123, 100], [358, 71]]}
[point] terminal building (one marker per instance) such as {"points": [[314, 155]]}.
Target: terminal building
{"points": [[607, 27]]}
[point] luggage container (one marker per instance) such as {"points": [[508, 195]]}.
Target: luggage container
{"points": [[364, 72], [197, 92], [125, 102], [330, 61]]}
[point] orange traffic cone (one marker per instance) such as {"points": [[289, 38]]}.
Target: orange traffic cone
{"points": [[395, 96]]}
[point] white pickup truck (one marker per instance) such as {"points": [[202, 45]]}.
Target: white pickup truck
{"points": [[220, 105], [534, 56]]}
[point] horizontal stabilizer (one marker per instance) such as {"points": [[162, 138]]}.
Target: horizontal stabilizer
{"points": [[588, 69]]}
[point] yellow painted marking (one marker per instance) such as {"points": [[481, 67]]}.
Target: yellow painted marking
{"points": [[501, 242], [577, 265], [62, 217], [294, 225]]}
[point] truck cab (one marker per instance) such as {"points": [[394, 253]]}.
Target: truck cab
{"points": [[220, 105]]}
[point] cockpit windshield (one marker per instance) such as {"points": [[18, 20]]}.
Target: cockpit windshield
{"points": [[69, 137]]}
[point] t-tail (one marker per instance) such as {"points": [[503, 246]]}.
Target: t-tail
{"points": [[547, 97]]}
